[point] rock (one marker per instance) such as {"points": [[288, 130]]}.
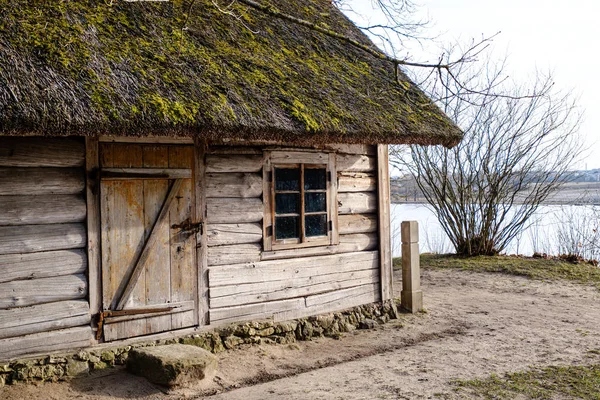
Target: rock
{"points": [[83, 356], [93, 358], [172, 365], [325, 321], [108, 357], [5, 368], [99, 365], [265, 332], [231, 342], [217, 343], [76, 368], [367, 323], [245, 331], [285, 327]]}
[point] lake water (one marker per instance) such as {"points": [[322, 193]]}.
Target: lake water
{"points": [[551, 225]]}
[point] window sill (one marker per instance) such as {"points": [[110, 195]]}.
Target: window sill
{"points": [[298, 252]]}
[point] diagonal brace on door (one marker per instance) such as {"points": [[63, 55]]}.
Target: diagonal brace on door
{"points": [[150, 243]]}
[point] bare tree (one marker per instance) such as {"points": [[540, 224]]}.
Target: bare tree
{"points": [[518, 148]]}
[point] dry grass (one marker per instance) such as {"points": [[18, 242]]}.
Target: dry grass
{"points": [[533, 268], [573, 382]]}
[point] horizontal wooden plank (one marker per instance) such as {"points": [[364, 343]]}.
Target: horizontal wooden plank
{"points": [[358, 242], [146, 139], [234, 163], [45, 209], [222, 149], [356, 182], [228, 234], [236, 254], [364, 149], [233, 211], [42, 265], [321, 299], [357, 223], [235, 184], [35, 238], [253, 311], [226, 296], [43, 317], [43, 290], [355, 163], [276, 270], [46, 342], [41, 152], [145, 173], [148, 326], [333, 301], [296, 157], [297, 253], [38, 181], [357, 203]]}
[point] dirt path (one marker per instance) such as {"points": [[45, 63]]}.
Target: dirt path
{"points": [[476, 324]]}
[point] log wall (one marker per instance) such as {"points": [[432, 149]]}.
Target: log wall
{"points": [[246, 283], [43, 263]]}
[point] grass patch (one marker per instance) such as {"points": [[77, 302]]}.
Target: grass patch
{"points": [[534, 268], [571, 382]]}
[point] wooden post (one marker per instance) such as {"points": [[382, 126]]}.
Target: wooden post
{"points": [[383, 207], [412, 295], [199, 174], [93, 224]]}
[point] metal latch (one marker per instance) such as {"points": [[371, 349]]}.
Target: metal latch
{"points": [[188, 226]]}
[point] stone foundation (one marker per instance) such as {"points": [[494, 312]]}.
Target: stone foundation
{"points": [[55, 368]]}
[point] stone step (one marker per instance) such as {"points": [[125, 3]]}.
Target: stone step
{"points": [[172, 365]]}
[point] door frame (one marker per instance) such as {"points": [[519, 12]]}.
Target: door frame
{"points": [[92, 174]]}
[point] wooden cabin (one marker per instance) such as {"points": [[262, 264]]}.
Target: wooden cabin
{"points": [[166, 166]]}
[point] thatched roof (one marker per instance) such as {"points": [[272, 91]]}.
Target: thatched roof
{"points": [[187, 68]]}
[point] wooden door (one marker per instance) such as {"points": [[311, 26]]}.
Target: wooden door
{"points": [[148, 237]]}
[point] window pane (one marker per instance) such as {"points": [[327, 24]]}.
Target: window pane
{"points": [[287, 178], [287, 203], [315, 179], [287, 227], [316, 225], [315, 202]]}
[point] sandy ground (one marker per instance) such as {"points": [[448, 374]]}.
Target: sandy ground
{"points": [[475, 325]]}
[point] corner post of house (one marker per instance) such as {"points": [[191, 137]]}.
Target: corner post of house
{"points": [[383, 207], [411, 295]]}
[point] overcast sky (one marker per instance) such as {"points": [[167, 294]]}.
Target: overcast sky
{"points": [[550, 35]]}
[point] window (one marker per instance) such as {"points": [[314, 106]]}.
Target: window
{"points": [[300, 210]]}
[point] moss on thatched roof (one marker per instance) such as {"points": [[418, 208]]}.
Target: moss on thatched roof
{"points": [[187, 68]]}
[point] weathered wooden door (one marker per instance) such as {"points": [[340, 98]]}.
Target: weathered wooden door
{"points": [[149, 271]]}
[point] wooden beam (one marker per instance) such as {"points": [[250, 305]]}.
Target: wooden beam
{"points": [[40, 181], [43, 343], [200, 214], [233, 163], [234, 211], [35, 238], [44, 290], [383, 207], [357, 203], [45, 209], [235, 184], [228, 234], [356, 182], [41, 152], [115, 174], [150, 243], [236, 254], [47, 264], [357, 223], [355, 163], [43, 318], [92, 187], [146, 139]]}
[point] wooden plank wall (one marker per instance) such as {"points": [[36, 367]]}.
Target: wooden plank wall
{"points": [[245, 284], [43, 262]]}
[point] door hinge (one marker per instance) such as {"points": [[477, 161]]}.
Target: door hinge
{"points": [[188, 226], [269, 231]]}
